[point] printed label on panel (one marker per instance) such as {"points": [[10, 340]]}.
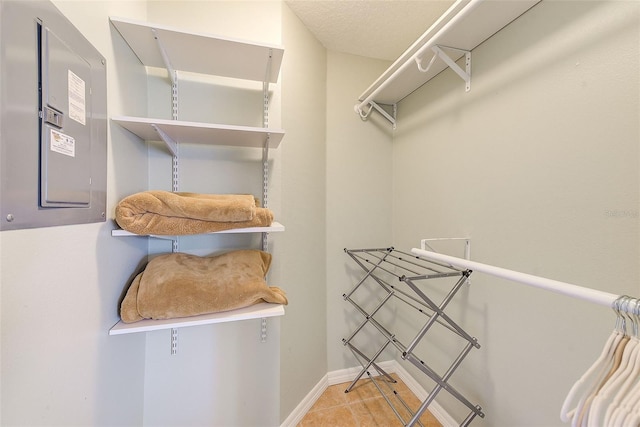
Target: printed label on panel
{"points": [[63, 144], [77, 109]]}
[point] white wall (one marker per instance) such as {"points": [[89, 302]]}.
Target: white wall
{"points": [[303, 167], [358, 191], [60, 290], [222, 374], [538, 164]]}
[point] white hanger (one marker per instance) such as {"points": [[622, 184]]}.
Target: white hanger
{"points": [[633, 419], [625, 407], [634, 415], [617, 383], [581, 418], [591, 379]]}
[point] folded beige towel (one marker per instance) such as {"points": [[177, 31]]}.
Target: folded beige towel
{"points": [[180, 285], [167, 213]]}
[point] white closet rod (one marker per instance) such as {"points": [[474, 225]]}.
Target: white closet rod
{"points": [[579, 292], [429, 44]]}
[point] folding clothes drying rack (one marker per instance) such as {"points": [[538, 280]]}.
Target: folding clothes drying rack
{"points": [[393, 274]]}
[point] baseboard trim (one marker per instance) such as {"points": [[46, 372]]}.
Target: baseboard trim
{"points": [[303, 407], [349, 374]]}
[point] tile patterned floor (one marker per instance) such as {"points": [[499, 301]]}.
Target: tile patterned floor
{"points": [[363, 406]]}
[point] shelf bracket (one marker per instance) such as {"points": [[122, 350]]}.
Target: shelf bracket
{"points": [[267, 74], [439, 53], [171, 144], [165, 56], [265, 90], [163, 237]]}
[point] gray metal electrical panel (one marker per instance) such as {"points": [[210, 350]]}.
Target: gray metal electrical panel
{"points": [[53, 120]]}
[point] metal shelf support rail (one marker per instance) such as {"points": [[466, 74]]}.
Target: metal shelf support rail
{"points": [[391, 274]]}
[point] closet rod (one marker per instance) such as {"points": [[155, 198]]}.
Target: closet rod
{"points": [[575, 291], [429, 44]]}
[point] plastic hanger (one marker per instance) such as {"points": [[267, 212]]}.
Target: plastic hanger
{"points": [[633, 419], [591, 379], [624, 408], [603, 397], [618, 382], [629, 410], [583, 418], [588, 382]]}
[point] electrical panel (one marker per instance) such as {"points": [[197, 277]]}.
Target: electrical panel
{"points": [[53, 120]]}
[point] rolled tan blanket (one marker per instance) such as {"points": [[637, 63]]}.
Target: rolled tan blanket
{"points": [[167, 213], [181, 285]]}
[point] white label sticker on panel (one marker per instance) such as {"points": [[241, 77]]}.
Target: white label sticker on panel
{"points": [[77, 101], [63, 144]]}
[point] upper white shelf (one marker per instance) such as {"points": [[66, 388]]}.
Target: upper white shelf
{"points": [[202, 133], [464, 26], [200, 52], [257, 311]]}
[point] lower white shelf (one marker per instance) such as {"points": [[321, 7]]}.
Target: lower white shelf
{"points": [[274, 227], [257, 311]]}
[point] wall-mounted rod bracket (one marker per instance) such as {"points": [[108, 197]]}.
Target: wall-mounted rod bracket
{"points": [[374, 105], [425, 246], [464, 74]]}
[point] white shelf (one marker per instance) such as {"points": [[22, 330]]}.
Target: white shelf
{"points": [[200, 133], [275, 227], [486, 19], [165, 47], [258, 311], [200, 52]]}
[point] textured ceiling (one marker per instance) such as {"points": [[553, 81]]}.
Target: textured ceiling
{"points": [[381, 29]]}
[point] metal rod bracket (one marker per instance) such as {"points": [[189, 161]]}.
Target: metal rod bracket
{"points": [[464, 74], [425, 246], [374, 105]]}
